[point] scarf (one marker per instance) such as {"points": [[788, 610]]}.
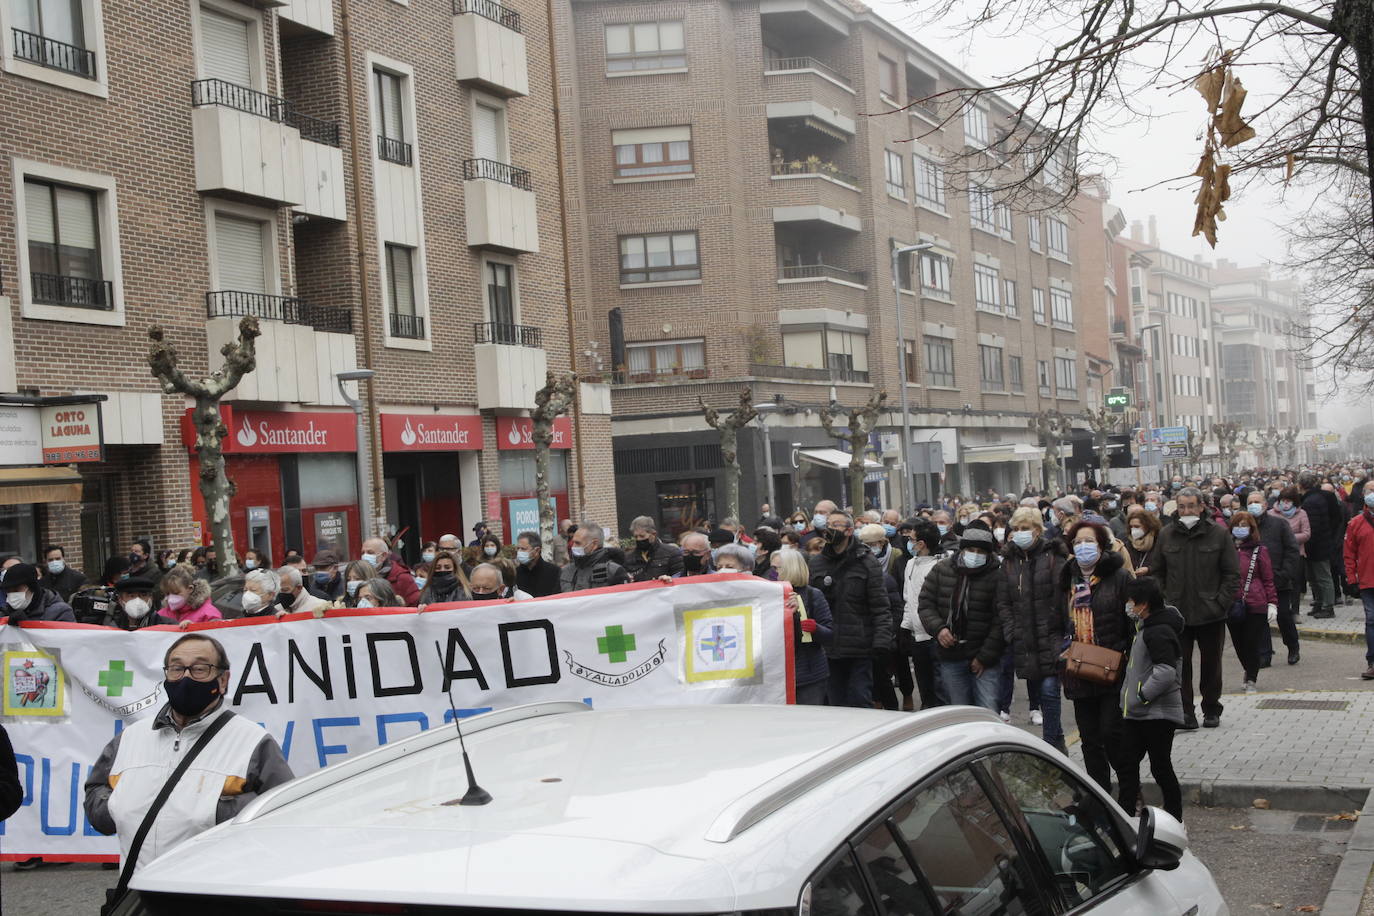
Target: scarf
{"points": [[1144, 544]]}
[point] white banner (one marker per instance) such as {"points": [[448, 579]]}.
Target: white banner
{"points": [[329, 688]]}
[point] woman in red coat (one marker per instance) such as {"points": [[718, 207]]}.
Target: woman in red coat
{"points": [[1249, 618]]}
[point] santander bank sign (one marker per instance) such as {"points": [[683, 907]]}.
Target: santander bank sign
{"points": [[262, 432], [431, 432]]}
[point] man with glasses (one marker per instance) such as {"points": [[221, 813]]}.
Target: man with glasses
{"points": [[241, 760]]}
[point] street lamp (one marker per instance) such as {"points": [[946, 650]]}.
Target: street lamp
{"points": [[364, 502], [762, 411], [897, 253], [1149, 377]]}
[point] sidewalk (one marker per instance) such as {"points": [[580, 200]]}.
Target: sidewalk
{"points": [[1347, 626]]}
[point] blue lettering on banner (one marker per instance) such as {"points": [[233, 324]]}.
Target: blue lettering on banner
{"points": [[48, 828], [322, 750], [384, 720]]}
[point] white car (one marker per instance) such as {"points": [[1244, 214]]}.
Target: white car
{"points": [[804, 810]]}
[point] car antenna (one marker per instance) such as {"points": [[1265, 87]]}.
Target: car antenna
{"points": [[475, 795]]}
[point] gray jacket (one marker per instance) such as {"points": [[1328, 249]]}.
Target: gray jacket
{"points": [[1153, 685]]}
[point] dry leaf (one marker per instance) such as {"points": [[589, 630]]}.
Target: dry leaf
{"points": [[1210, 84], [1262, 803], [1345, 816], [1309, 908], [1228, 121], [1288, 176]]}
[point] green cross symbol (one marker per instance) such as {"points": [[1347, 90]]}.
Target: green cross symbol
{"points": [[615, 644], [114, 678]]}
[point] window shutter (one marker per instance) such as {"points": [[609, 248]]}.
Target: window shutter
{"points": [[38, 212], [76, 218], [224, 45], [486, 134], [402, 280], [239, 254], [389, 97]]}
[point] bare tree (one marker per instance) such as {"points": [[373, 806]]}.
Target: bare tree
{"points": [[1228, 434], [1103, 423], [729, 427], [216, 489], [1050, 427], [862, 421], [1197, 441], [1289, 445], [550, 402]]}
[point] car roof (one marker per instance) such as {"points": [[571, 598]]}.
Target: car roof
{"points": [[663, 809]]}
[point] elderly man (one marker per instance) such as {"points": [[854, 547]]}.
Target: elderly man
{"points": [[393, 569], [818, 520], [239, 761], [534, 574], [651, 557], [293, 597], [1197, 566], [696, 555], [326, 576], [487, 584], [944, 525], [132, 608], [589, 567], [450, 544], [26, 599]]}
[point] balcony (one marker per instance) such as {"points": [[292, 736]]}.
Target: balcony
{"points": [[315, 15], [53, 54], [819, 216], [801, 273], [500, 206], [391, 149], [674, 374], [408, 327], [73, 292], [248, 142], [511, 365], [811, 167], [807, 373], [782, 66], [300, 348], [489, 49]]}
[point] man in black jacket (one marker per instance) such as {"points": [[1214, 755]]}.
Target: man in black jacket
{"points": [[58, 576], [849, 576], [1277, 537], [534, 574], [958, 603], [1319, 546], [650, 557]]}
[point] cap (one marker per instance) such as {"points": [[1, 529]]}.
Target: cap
{"points": [[976, 534], [719, 536], [327, 557], [19, 574], [136, 583]]}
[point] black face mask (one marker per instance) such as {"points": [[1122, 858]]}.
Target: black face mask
{"points": [[827, 535], [285, 600], [189, 696], [644, 545], [485, 596], [691, 562], [443, 580]]}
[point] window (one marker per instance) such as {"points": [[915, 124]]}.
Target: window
{"points": [[390, 116], [1009, 298], [986, 292], [975, 126], [930, 182], [909, 348], [1042, 374], [920, 87], [1014, 373], [896, 182], [63, 233], [500, 293], [1056, 171], [1070, 825], [935, 274], [904, 272], [1066, 376], [52, 33], [1033, 232], [991, 360], [1001, 214], [241, 255], [663, 258], [1038, 305], [887, 77], [400, 293], [1059, 237], [846, 353], [653, 151], [840, 890], [1061, 308], [939, 362], [226, 44], [642, 46], [489, 133], [671, 357], [892, 872], [980, 210]]}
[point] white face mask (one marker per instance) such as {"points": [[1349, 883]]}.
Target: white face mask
{"points": [[369, 558], [1188, 521], [137, 608], [1137, 533], [1255, 509], [56, 566], [489, 550], [251, 602], [363, 602], [18, 600]]}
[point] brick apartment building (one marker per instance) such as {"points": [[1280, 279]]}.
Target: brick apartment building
{"points": [[738, 175], [185, 163]]}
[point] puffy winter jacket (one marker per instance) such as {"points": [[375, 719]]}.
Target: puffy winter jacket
{"points": [[1031, 617], [1261, 592], [663, 560], [596, 570], [1197, 569], [1153, 687], [852, 583], [1318, 509], [45, 605], [810, 656], [1111, 627], [965, 601], [1277, 537], [1359, 551]]}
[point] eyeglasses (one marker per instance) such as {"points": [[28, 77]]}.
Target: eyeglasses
{"points": [[199, 672]]}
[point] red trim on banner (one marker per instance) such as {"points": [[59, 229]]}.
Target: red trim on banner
{"points": [[58, 857], [789, 646]]}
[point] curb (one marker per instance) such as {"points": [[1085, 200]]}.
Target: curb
{"points": [[1348, 886], [1218, 793], [1340, 636]]}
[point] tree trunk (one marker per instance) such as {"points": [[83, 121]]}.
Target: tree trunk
{"points": [[856, 473], [729, 436], [550, 403], [547, 521], [216, 489]]}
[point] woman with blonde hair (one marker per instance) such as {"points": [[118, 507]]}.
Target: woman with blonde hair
{"points": [[811, 627], [186, 597]]}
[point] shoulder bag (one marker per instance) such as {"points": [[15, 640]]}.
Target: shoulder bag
{"points": [[1093, 663], [116, 894], [1238, 611]]}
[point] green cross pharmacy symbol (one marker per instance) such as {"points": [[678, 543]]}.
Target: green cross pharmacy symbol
{"points": [[114, 678], [615, 644]]}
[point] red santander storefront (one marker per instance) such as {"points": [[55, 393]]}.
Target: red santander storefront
{"points": [[517, 504], [431, 475], [296, 480]]}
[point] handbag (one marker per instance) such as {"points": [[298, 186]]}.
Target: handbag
{"points": [[1095, 664], [115, 895], [1238, 609]]}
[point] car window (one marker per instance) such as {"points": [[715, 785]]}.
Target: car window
{"points": [[898, 888], [1071, 824], [840, 891], [964, 850]]}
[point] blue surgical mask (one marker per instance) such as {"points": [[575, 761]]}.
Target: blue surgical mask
{"points": [[877, 549], [1023, 539], [250, 565], [578, 551], [522, 556], [56, 566], [420, 582], [363, 602], [369, 558], [799, 527], [1227, 512], [1368, 500], [489, 550], [911, 547], [1151, 506], [1256, 510], [943, 529], [817, 522], [889, 530], [352, 585], [1240, 532], [1087, 553], [973, 559], [323, 578], [427, 556]]}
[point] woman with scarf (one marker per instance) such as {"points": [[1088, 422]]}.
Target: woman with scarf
{"points": [[1141, 529], [1092, 593], [446, 582]]}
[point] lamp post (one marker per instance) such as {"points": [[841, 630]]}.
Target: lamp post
{"points": [[897, 253], [364, 456], [1149, 375], [762, 411]]}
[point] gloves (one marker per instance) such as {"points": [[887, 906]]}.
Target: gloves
{"points": [[1352, 589], [1273, 610], [808, 625]]}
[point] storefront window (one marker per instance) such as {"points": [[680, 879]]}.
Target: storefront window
{"points": [[18, 534], [320, 494], [685, 504], [519, 505]]}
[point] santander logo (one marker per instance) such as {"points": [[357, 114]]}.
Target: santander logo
{"points": [[514, 435], [408, 434], [246, 437]]}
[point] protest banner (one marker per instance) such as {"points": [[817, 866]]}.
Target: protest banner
{"points": [[332, 687]]}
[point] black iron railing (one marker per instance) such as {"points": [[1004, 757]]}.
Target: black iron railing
{"points": [[821, 272], [806, 373], [53, 54], [78, 292], [513, 335], [805, 63], [503, 172], [411, 327], [314, 129], [389, 149], [850, 375], [241, 98], [489, 9], [233, 303]]}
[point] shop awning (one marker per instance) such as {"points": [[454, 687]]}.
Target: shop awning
{"points": [[834, 458], [988, 454], [39, 485]]}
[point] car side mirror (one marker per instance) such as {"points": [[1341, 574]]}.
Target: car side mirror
{"points": [[1160, 840]]}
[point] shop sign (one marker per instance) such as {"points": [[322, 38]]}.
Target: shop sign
{"points": [[430, 432], [518, 433], [261, 432], [71, 434], [21, 437]]}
